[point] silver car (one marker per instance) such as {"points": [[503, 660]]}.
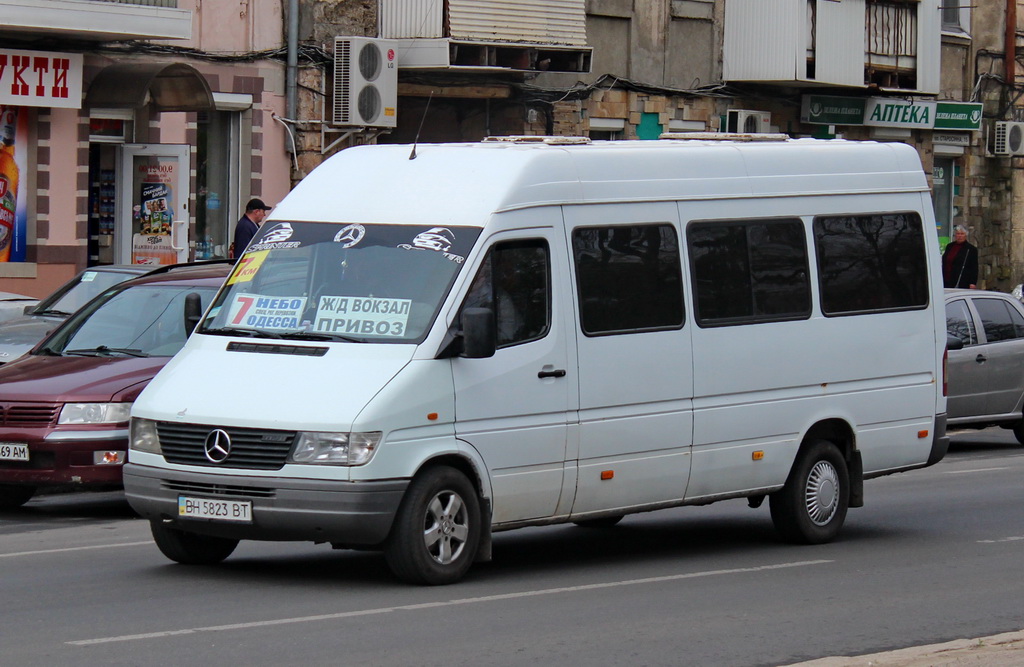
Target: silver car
{"points": [[985, 371]]}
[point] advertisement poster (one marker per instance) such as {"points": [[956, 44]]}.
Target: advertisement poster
{"points": [[13, 215], [153, 211]]}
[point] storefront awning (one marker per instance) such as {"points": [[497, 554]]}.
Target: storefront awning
{"points": [[165, 86]]}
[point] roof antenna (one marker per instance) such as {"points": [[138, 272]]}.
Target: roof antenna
{"points": [[412, 155]]}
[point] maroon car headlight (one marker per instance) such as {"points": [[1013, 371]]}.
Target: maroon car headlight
{"points": [[94, 413]]}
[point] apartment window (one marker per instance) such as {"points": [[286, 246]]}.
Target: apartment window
{"points": [[747, 271], [956, 15], [629, 278], [871, 263]]}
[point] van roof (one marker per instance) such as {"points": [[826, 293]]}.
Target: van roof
{"points": [[463, 184]]}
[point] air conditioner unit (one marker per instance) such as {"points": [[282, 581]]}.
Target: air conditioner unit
{"points": [[748, 122], [1009, 138], [365, 82]]}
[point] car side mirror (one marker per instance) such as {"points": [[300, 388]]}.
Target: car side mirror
{"points": [[193, 312], [479, 333], [954, 342], [29, 309]]}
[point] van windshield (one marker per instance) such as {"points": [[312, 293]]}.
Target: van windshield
{"points": [[380, 283]]}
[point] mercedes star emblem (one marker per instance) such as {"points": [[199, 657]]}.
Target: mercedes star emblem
{"points": [[218, 446]]}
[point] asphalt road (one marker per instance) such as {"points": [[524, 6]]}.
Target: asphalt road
{"points": [[934, 555]]}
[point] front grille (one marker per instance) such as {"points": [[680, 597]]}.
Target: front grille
{"points": [[28, 414], [251, 449], [221, 490]]}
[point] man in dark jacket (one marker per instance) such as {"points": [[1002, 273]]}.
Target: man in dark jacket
{"points": [[960, 261], [245, 228]]}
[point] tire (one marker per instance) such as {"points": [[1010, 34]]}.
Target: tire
{"points": [[12, 497], [811, 507], [1018, 431], [437, 530], [603, 522], [189, 548]]}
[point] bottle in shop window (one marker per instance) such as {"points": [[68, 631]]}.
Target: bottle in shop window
{"points": [[8, 180]]}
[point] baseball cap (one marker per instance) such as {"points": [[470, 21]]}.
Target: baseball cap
{"points": [[256, 204]]}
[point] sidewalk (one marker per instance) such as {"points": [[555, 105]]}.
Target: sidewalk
{"points": [[1004, 650]]}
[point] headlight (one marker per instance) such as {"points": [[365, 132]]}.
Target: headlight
{"points": [[339, 449], [94, 413], [143, 437]]}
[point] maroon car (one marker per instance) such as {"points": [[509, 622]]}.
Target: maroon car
{"points": [[64, 407]]}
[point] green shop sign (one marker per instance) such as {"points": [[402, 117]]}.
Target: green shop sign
{"points": [[958, 116], [890, 112], [832, 110]]}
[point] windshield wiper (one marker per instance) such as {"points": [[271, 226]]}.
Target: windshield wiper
{"points": [[246, 333], [312, 335], [52, 311], [104, 351]]}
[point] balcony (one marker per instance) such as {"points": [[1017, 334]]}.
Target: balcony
{"points": [[100, 20], [514, 35], [879, 44]]}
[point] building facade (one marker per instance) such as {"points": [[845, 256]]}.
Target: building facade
{"points": [[136, 130], [186, 109]]}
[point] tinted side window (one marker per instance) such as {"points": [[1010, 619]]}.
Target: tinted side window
{"points": [[628, 278], [752, 271], [959, 322], [871, 263], [996, 319], [515, 283]]}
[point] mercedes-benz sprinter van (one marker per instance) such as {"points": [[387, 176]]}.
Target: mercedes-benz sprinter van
{"points": [[420, 348]]}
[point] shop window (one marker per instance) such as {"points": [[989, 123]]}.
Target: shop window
{"points": [[217, 174]]}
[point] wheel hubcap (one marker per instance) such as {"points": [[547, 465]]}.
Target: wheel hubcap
{"points": [[822, 493], [446, 527]]}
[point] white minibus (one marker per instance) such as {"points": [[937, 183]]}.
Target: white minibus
{"points": [[424, 346]]}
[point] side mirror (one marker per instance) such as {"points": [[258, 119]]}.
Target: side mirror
{"points": [[953, 342], [193, 312], [479, 333], [30, 309]]}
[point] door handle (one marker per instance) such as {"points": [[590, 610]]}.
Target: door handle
{"points": [[551, 374], [980, 359]]}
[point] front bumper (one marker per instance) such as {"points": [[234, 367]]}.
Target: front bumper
{"points": [[283, 509], [64, 457]]}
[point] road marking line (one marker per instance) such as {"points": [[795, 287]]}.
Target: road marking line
{"points": [[57, 551], [1004, 539], [443, 603], [961, 472]]}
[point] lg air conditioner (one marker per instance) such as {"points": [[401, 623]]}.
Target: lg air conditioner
{"points": [[748, 122], [1009, 138], [365, 82]]}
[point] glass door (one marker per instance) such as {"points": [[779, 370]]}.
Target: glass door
{"points": [[152, 213]]}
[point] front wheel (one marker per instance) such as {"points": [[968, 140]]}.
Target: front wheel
{"points": [[12, 497], [189, 548], [811, 507], [437, 530]]}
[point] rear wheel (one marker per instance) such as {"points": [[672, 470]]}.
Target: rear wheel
{"points": [[12, 496], [1018, 431], [189, 548], [437, 530], [811, 507]]}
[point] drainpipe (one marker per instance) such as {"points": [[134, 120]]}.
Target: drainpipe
{"points": [[1010, 57], [291, 74]]}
